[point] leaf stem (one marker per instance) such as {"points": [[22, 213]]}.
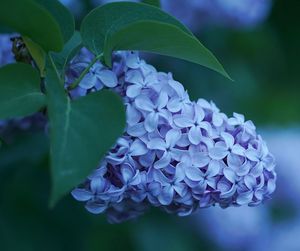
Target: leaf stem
{"points": [[86, 70]]}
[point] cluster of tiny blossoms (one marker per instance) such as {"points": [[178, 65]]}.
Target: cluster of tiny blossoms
{"points": [[176, 154]]}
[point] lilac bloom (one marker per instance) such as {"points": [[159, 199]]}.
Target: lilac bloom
{"points": [[98, 77], [134, 62], [181, 98], [167, 146], [154, 110], [126, 151], [195, 124], [130, 175], [174, 154], [139, 82]]}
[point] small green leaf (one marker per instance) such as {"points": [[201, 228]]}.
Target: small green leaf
{"points": [[61, 59], [62, 15], [32, 20], [81, 133], [37, 53], [152, 2], [20, 93], [110, 18], [164, 39]]}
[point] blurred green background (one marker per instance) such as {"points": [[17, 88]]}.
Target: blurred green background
{"points": [[264, 62]]}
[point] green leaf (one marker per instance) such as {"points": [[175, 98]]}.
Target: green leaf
{"points": [[152, 2], [61, 59], [20, 93], [140, 36], [32, 20], [37, 53], [81, 133], [62, 15], [133, 26], [108, 19]]}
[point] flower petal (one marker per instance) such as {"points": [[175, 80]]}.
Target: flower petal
{"points": [[174, 105], [138, 148], [82, 194], [108, 78], [193, 173], [157, 144], [166, 195], [195, 135], [172, 137], [218, 152], [133, 91], [144, 103], [163, 161], [151, 122], [137, 130], [183, 121], [88, 81]]}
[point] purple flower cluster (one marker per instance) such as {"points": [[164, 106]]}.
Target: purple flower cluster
{"points": [[176, 154], [6, 55]]}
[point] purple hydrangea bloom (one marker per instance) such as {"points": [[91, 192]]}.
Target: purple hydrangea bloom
{"points": [[6, 55], [176, 154]]}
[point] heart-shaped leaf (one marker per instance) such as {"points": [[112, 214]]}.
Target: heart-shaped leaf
{"points": [[136, 26], [140, 36], [110, 18], [20, 93], [81, 132], [32, 20]]}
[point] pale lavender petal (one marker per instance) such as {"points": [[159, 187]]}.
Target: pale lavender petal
{"points": [[244, 198], [174, 105], [133, 91], [82, 194], [96, 208], [163, 161], [182, 121], [217, 152], [151, 122], [88, 81], [134, 77], [144, 103], [157, 144], [137, 130], [138, 148], [108, 78], [193, 173], [133, 115], [166, 195], [172, 137], [195, 135], [162, 100]]}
